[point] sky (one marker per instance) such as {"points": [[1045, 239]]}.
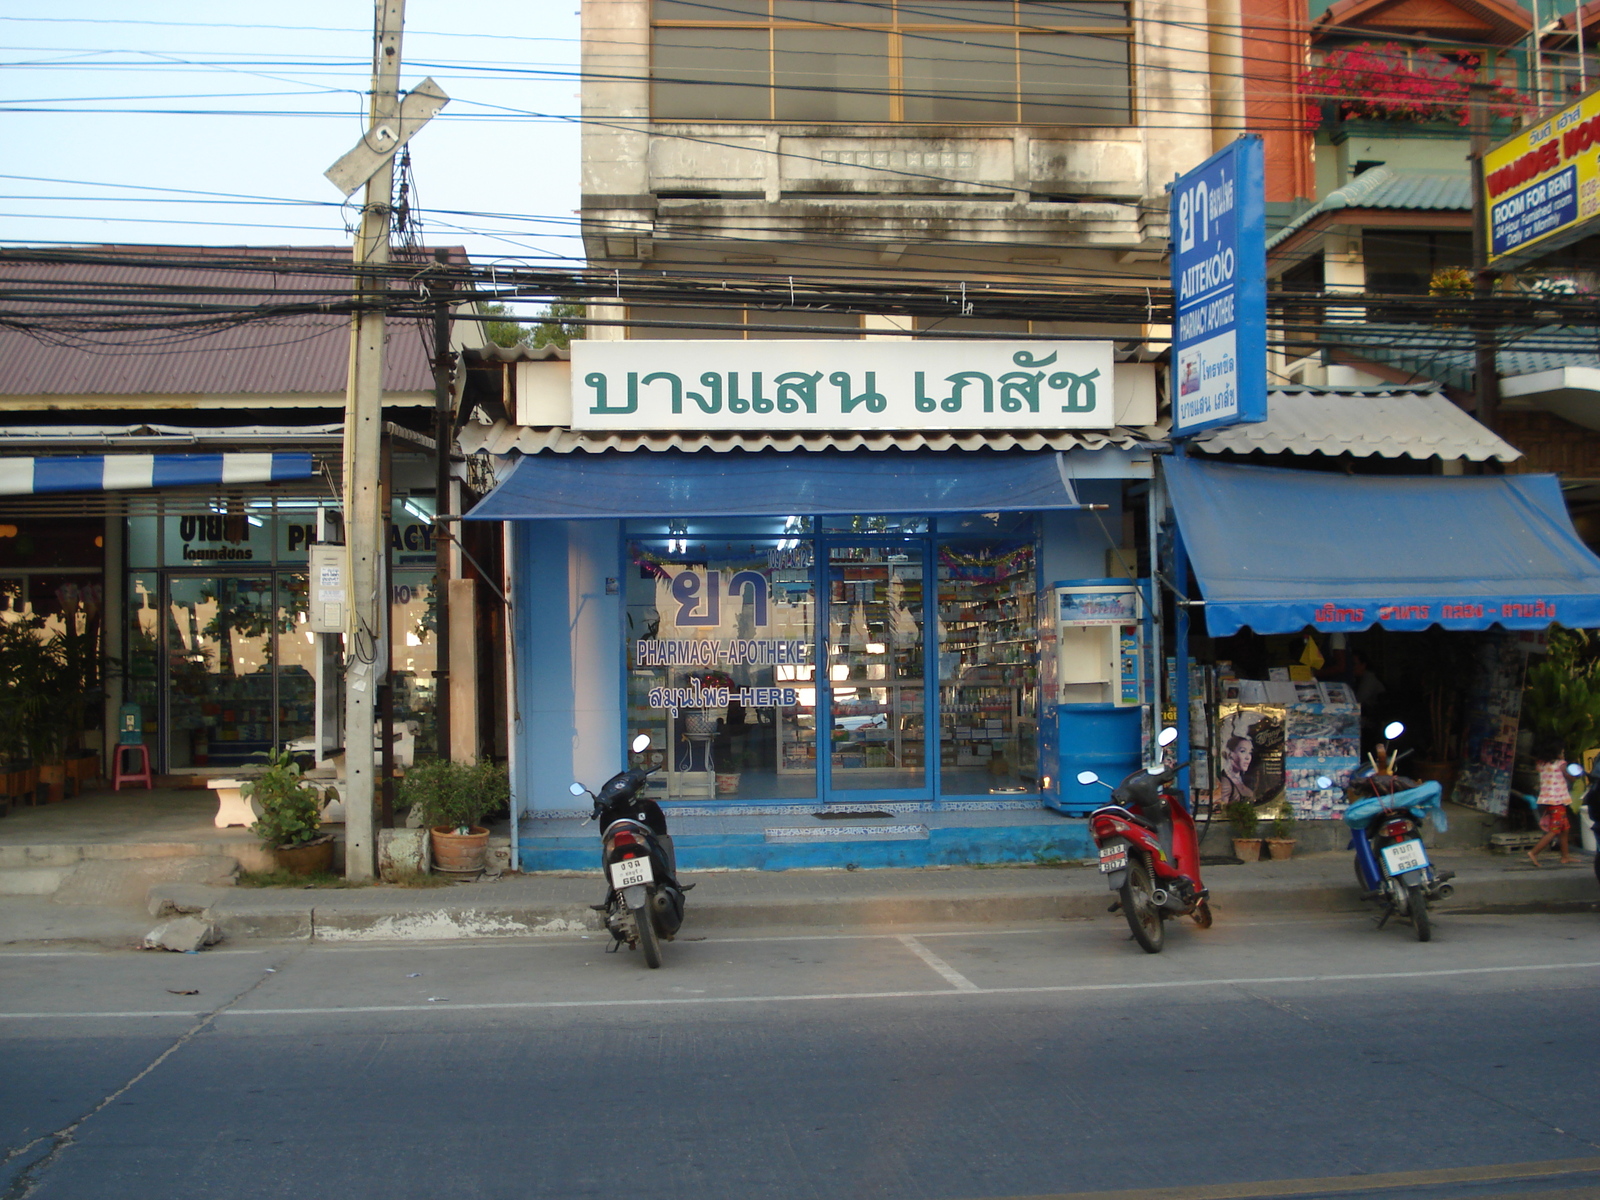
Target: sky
{"points": [[180, 122]]}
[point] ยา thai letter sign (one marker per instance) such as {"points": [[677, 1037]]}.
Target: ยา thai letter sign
{"points": [[1219, 291], [856, 385]]}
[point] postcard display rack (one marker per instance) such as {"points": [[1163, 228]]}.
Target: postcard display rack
{"points": [[1100, 686]]}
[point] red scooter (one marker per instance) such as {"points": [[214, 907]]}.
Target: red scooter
{"points": [[1149, 851]]}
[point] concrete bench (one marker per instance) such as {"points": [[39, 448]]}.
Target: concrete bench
{"points": [[232, 808]]}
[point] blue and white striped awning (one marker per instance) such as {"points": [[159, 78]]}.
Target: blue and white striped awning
{"points": [[116, 472]]}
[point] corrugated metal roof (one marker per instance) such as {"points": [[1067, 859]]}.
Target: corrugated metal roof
{"points": [[502, 438], [295, 355], [1364, 422], [1448, 356], [21, 437], [1385, 187]]}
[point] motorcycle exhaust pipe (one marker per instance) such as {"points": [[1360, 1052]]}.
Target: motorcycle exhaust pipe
{"points": [[1159, 898], [1444, 891]]}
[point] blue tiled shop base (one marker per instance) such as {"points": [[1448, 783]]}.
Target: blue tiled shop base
{"points": [[784, 846]]}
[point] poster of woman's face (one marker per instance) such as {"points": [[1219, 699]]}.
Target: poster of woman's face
{"points": [[1250, 755]]}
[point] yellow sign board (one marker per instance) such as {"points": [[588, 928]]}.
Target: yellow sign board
{"points": [[1543, 183]]}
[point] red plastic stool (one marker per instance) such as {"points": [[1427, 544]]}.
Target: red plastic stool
{"points": [[142, 775]]}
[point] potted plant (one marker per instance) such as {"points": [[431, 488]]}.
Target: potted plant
{"points": [[1562, 700], [290, 824], [1280, 842], [450, 799], [46, 684], [1246, 840], [40, 705]]}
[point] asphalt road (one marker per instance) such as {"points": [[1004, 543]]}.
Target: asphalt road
{"points": [[1303, 1057]]}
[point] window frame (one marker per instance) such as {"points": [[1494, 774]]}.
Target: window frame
{"points": [[896, 31]]}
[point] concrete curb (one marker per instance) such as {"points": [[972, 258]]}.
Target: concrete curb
{"points": [[323, 919], [534, 905]]}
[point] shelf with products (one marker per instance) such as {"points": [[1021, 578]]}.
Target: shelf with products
{"points": [[991, 726], [988, 669]]}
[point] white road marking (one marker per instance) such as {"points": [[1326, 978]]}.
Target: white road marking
{"points": [[115, 1016], [109, 951], [944, 970], [905, 994]]}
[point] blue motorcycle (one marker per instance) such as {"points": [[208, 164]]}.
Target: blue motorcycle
{"points": [[1392, 865]]}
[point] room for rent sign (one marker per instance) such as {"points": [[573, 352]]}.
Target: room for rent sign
{"points": [[1542, 187]]}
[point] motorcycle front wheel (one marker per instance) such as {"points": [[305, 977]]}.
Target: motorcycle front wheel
{"points": [[1417, 900], [1202, 914], [1144, 918], [648, 941]]}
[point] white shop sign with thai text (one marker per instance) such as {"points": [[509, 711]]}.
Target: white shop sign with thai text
{"points": [[764, 385]]}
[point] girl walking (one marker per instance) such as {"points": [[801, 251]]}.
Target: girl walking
{"points": [[1554, 800]]}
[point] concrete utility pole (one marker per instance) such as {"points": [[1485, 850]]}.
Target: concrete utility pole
{"points": [[365, 522], [444, 435]]}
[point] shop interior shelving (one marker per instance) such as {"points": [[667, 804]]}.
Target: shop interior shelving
{"points": [[988, 671]]}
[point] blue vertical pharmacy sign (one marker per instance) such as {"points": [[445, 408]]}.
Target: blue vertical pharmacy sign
{"points": [[1219, 291]]}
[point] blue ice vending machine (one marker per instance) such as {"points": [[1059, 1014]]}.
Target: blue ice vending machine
{"points": [[1094, 719]]}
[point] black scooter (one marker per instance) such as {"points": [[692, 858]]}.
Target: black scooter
{"points": [[644, 900]]}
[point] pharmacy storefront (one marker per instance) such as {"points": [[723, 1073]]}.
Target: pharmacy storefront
{"points": [[814, 573], [219, 653]]}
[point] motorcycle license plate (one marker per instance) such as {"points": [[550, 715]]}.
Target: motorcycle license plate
{"points": [[629, 871], [1404, 856], [1113, 857]]}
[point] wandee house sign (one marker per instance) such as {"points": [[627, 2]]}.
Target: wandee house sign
{"points": [[760, 385]]}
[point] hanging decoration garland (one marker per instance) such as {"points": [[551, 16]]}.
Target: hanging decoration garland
{"points": [[985, 566]]}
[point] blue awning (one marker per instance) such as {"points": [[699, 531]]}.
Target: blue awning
{"points": [[1279, 550], [111, 472], [814, 483]]}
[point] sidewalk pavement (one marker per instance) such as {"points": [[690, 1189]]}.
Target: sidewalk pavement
{"points": [[521, 905]]}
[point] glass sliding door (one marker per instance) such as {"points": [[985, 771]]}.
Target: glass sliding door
{"points": [[240, 676], [876, 694], [719, 627]]}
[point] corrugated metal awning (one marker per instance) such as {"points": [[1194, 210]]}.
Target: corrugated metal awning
{"points": [[502, 438], [1363, 422]]}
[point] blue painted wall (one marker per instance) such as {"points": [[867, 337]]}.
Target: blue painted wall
{"points": [[569, 683], [1074, 544]]}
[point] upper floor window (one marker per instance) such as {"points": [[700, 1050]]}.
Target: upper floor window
{"points": [[1006, 62]]}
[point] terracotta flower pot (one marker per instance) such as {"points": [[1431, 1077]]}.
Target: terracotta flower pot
{"points": [[1249, 849], [53, 779], [308, 858], [1280, 848], [460, 854]]}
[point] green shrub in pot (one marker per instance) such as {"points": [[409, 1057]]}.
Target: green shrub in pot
{"points": [[451, 795], [291, 808]]}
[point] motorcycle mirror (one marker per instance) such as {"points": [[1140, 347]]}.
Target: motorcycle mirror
{"points": [[1324, 782], [1167, 736], [1574, 769], [578, 789], [1393, 730], [1088, 777], [641, 743]]}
